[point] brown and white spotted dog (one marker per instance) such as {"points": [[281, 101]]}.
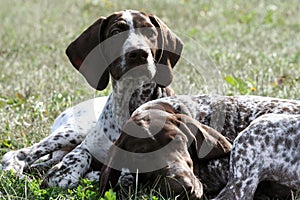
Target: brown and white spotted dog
{"points": [[226, 115], [268, 149], [138, 52], [162, 139]]}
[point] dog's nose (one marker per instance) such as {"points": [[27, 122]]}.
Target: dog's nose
{"points": [[137, 55]]}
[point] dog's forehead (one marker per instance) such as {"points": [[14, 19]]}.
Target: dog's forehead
{"points": [[158, 125], [141, 20], [133, 18]]}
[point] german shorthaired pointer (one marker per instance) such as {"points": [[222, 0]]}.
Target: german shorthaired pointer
{"points": [[138, 51], [269, 149], [226, 115], [162, 136]]}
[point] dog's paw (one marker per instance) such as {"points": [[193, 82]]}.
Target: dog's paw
{"points": [[49, 160], [93, 176], [66, 174], [15, 161], [126, 179], [62, 176]]}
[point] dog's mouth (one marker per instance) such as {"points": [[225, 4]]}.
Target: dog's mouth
{"points": [[133, 64], [177, 186], [172, 186], [143, 72], [179, 180]]}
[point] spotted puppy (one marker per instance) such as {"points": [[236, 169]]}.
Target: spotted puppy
{"points": [[225, 114], [158, 143], [138, 51], [269, 149]]}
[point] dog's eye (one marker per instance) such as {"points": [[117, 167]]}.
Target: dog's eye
{"points": [[190, 164], [149, 32], [115, 31]]}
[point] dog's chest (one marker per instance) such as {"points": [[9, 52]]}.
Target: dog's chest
{"points": [[107, 124]]}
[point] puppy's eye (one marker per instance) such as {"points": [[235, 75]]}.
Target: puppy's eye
{"points": [[115, 31]]}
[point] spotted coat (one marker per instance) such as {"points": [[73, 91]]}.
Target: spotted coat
{"points": [[137, 51], [268, 149], [229, 115]]}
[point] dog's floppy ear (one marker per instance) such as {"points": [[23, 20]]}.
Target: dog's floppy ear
{"points": [[208, 142], [86, 55], [168, 52], [110, 176]]}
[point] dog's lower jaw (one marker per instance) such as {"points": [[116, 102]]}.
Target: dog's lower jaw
{"points": [[122, 95]]}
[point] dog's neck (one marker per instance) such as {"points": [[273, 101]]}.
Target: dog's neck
{"points": [[126, 97]]}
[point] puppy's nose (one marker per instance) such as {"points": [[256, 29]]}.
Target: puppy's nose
{"points": [[137, 55]]}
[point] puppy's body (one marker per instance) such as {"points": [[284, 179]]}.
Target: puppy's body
{"points": [[227, 115]]}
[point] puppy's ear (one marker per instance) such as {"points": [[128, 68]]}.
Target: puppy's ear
{"points": [[168, 52], [208, 142], [109, 175], [109, 178], [86, 55]]}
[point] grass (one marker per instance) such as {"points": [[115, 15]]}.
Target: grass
{"points": [[237, 47]]}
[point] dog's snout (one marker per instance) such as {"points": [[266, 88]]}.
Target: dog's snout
{"points": [[137, 55]]}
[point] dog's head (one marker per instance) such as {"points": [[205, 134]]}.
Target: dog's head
{"points": [[122, 42], [163, 146]]}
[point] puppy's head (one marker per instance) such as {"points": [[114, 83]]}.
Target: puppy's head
{"points": [[126, 41], [163, 146]]}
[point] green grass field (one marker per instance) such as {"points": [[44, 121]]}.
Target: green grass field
{"points": [[231, 47]]}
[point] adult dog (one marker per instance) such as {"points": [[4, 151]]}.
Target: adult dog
{"points": [[138, 51], [201, 156]]}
